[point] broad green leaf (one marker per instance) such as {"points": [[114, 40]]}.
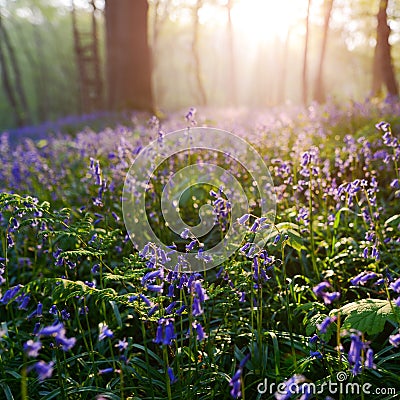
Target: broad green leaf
{"points": [[369, 315]]}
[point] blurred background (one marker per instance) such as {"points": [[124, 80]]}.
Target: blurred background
{"points": [[61, 57]]}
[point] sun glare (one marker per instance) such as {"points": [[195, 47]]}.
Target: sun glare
{"points": [[265, 20]]}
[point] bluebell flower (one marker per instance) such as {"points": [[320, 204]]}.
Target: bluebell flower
{"points": [[201, 293], [286, 390], [191, 245], [236, 383], [171, 290], [95, 268], [105, 331], [181, 309], [395, 285], [172, 377], [394, 340], [165, 333], [56, 328], [316, 354], [243, 219], [146, 300], [122, 345], [23, 302], [199, 330], [156, 288], [277, 238], [32, 348], [320, 288], [168, 310], [106, 371], [314, 338], [153, 310], [354, 355], [66, 343], [196, 307], [369, 359], [53, 310], [330, 297], [185, 233], [242, 297], [323, 326], [44, 370]]}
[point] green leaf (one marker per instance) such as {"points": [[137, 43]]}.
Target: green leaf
{"points": [[369, 315], [393, 220]]}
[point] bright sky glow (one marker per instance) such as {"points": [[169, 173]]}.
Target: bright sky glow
{"points": [[267, 19]]}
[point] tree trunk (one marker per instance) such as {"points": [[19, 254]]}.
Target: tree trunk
{"points": [[128, 55], [20, 113], [319, 90], [15, 97], [305, 57], [383, 71], [196, 55]]}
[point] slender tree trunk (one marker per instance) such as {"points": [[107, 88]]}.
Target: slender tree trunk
{"points": [[319, 90], [231, 50], [383, 71], [128, 55], [196, 55], [19, 98], [305, 56]]}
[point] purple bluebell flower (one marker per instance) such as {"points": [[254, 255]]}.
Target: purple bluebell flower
{"points": [[181, 309], [65, 314], [354, 355], [320, 288], [95, 268], [242, 297], [196, 308], [287, 387], [10, 294], [191, 245], [171, 290], [236, 383], [106, 371], [277, 238], [32, 348], [156, 288], [201, 293], [172, 377], [245, 247], [394, 340], [53, 310], [165, 331], [66, 343], [23, 302], [146, 300], [185, 233], [199, 330], [153, 310], [122, 345], [168, 310], [369, 359], [244, 360], [329, 298], [395, 285], [54, 329], [316, 354], [105, 331], [152, 275], [323, 326], [314, 338], [243, 219], [44, 370]]}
